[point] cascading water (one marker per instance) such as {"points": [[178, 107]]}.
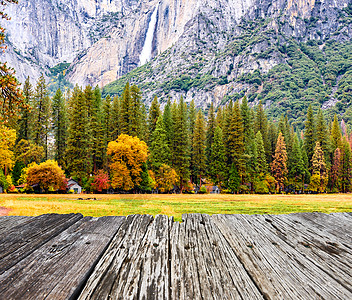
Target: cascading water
{"points": [[146, 54]]}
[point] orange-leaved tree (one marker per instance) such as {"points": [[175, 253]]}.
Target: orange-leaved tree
{"points": [[7, 141], [11, 98], [47, 175], [127, 156], [279, 164]]}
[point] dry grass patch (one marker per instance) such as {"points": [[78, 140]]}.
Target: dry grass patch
{"points": [[174, 205]]}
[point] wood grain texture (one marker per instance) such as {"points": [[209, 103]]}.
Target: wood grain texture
{"points": [[204, 266], [8, 222], [58, 269], [279, 270], [297, 256], [20, 241]]}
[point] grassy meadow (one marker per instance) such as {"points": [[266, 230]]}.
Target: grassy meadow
{"points": [[173, 205]]}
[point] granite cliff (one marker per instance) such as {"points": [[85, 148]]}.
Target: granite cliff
{"points": [[201, 49]]}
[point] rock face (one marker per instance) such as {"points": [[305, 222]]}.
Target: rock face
{"points": [[201, 39]]}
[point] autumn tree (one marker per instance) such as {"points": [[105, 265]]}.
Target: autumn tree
{"points": [[27, 152], [279, 164], [166, 178], [319, 178], [11, 98], [7, 141], [101, 181], [47, 175], [127, 156]]}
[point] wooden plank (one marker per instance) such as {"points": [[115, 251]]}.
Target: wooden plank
{"points": [[58, 269], [203, 265], [8, 222], [335, 224], [20, 241], [279, 270], [119, 274], [321, 248]]}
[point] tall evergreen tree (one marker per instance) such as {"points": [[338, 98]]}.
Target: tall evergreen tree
{"points": [[218, 159], [219, 117], [115, 118], [211, 125], [309, 135], [192, 115], [159, 149], [125, 110], [78, 163], [106, 119], [24, 129], [199, 139], [97, 138], [346, 167], [261, 124], [336, 137], [279, 164], [262, 165], [41, 114], [135, 112], [336, 170], [60, 123], [295, 163], [235, 140], [167, 118], [154, 113], [322, 133], [181, 144]]}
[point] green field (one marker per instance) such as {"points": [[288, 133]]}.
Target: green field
{"points": [[173, 205]]}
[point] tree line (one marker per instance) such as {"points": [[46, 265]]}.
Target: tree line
{"points": [[119, 143]]}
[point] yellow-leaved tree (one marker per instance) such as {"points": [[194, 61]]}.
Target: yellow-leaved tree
{"points": [[7, 141], [47, 175], [127, 156]]}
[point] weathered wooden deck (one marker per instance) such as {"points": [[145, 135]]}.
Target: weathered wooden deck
{"points": [[298, 256]]}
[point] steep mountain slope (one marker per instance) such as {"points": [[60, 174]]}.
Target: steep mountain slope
{"points": [[214, 58], [203, 49]]}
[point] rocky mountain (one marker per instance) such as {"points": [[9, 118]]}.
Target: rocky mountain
{"points": [[203, 49]]}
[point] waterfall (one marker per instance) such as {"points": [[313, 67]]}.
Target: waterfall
{"points": [[146, 54]]}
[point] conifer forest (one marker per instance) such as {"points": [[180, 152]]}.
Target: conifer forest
{"points": [[121, 145]]}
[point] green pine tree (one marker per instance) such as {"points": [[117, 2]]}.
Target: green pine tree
{"points": [[262, 165], [41, 114], [310, 135], [154, 113], [211, 125], [77, 156], [218, 158], [24, 130], [181, 144], [167, 118], [346, 167], [159, 149], [60, 124], [199, 139]]}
